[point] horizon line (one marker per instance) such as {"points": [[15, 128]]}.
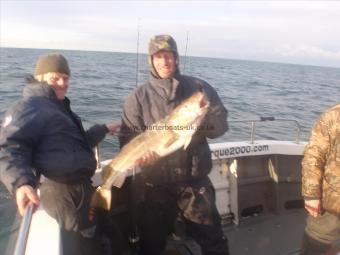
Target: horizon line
{"points": [[143, 53]]}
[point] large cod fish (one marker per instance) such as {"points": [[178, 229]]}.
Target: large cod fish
{"points": [[164, 137]]}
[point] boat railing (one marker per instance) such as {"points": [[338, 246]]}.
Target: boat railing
{"points": [[262, 119], [20, 246], [97, 156], [252, 132]]}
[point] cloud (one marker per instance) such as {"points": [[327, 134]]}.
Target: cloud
{"points": [[33, 36], [306, 51], [275, 30]]}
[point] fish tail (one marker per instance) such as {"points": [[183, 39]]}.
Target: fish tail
{"points": [[101, 198]]}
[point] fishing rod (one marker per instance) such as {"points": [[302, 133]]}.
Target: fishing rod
{"points": [[134, 235], [137, 57], [185, 53]]}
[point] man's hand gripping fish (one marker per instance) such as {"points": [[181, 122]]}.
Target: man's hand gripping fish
{"points": [[164, 137]]}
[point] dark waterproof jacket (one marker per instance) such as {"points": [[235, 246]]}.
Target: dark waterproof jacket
{"points": [[155, 100], [41, 135]]}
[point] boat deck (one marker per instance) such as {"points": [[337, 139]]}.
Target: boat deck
{"points": [[261, 190], [268, 234]]}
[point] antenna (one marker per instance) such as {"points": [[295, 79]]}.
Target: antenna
{"points": [[137, 58], [185, 54]]}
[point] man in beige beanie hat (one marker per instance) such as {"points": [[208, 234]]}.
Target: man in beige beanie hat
{"points": [[42, 137], [54, 70]]}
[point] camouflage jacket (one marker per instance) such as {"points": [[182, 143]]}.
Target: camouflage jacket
{"points": [[321, 162]]}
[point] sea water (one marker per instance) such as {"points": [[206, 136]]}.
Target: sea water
{"points": [[249, 90]]}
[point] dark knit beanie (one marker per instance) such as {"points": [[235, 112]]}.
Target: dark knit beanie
{"points": [[52, 63]]}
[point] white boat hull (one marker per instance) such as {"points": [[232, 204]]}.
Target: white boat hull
{"points": [[237, 174]]}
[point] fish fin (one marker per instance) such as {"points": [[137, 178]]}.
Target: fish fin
{"points": [[171, 141], [106, 172], [117, 178], [101, 198], [187, 142], [113, 177]]}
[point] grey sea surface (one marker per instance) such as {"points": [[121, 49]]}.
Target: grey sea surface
{"points": [[249, 90]]}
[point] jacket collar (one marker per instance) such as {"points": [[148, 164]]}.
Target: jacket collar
{"points": [[165, 88], [34, 88]]}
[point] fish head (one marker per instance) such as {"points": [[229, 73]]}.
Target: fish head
{"points": [[191, 111]]}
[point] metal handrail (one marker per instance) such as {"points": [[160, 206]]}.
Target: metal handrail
{"points": [[262, 119], [253, 125], [97, 156], [20, 246]]}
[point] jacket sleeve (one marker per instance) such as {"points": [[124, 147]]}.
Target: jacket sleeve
{"points": [[314, 160], [132, 121], [96, 134], [215, 122], [19, 136]]}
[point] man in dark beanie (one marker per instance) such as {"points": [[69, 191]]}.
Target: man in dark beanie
{"points": [[44, 145], [52, 63], [177, 184]]}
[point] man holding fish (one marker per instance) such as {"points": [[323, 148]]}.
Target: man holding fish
{"points": [[175, 180]]}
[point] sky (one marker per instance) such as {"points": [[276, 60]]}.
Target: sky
{"points": [[298, 32]]}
